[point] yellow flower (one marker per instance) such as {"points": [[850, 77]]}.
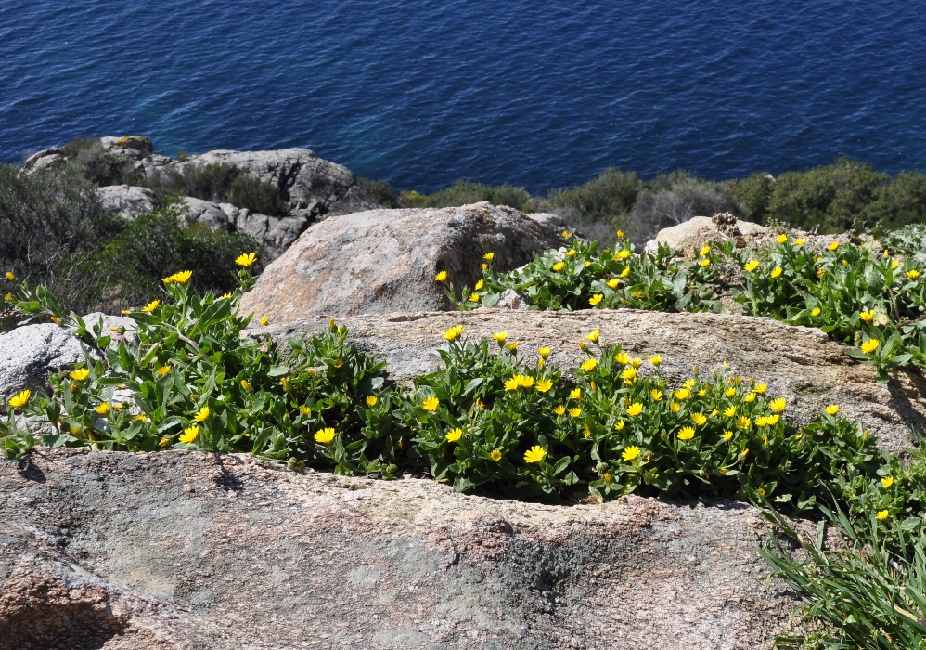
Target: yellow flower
{"points": [[895, 263], [634, 409], [566, 234], [20, 399], [744, 452], [574, 413], [759, 389], [525, 380], [870, 346], [727, 435], [189, 434], [372, 400], [778, 404], [245, 384], [182, 277], [478, 403], [620, 234], [430, 404], [488, 257], [751, 265], [225, 296], [164, 441], [164, 370], [622, 359], [619, 426], [576, 394], [202, 415], [441, 276], [559, 266], [630, 453], [592, 336], [832, 409], [761, 492], [656, 395], [496, 455], [103, 408], [743, 422], [730, 392], [751, 397], [80, 375], [559, 410], [882, 515], [473, 297], [622, 255], [501, 336], [168, 279], [535, 454], [126, 312], [655, 361], [571, 253], [775, 272], [815, 312], [675, 406], [544, 385], [10, 276], [772, 420], [479, 285], [705, 263], [782, 238], [305, 410], [246, 259], [845, 262], [687, 433], [513, 383], [629, 374], [324, 436], [798, 242], [867, 316], [682, 393], [543, 352], [821, 272], [887, 481], [613, 282], [834, 245], [453, 333], [607, 477], [698, 418], [141, 417], [625, 272], [730, 412], [264, 321], [761, 421], [8, 297], [454, 434], [594, 300], [151, 306], [705, 251], [913, 274]]}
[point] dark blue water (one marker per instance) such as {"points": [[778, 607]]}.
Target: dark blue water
{"points": [[423, 93]]}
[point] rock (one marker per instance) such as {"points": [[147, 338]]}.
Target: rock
{"points": [[135, 147], [306, 181], [29, 353], [384, 261], [207, 212], [800, 364], [181, 549], [45, 159], [127, 201], [510, 299]]}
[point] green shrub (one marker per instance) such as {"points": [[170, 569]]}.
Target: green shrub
{"points": [[464, 192], [599, 207], [100, 166], [380, 191], [753, 195], [258, 196], [675, 198]]}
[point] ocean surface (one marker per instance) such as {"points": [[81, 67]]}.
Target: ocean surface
{"points": [[422, 93]]}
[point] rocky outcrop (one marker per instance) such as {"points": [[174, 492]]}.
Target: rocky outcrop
{"points": [[29, 353], [310, 184], [800, 364], [384, 261], [192, 550], [127, 201]]}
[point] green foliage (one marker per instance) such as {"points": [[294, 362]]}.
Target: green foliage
{"points": [[379, 191], [753, 194], [600, 206], [218, 182], [99, 166]]}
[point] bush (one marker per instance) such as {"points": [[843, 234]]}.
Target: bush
{"points": [[464, 192], [101, 167], [753, 195], [599, 207], [675, 198], [380, 191], [218, 182]]}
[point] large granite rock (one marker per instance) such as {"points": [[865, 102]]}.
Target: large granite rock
{"points": [[189, 550], [29, 353], [309, 183], [798, 363], [127, 201], [384, 261]]}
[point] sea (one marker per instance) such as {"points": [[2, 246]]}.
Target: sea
{"points": [[422, 93]]}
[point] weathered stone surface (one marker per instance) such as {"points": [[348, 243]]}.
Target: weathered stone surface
{"points": [[29, 353], [45, 159], [191, 550], [135, 146], [384, 261], [206, 212], [306, 181], [798, 363], [127, 201]]}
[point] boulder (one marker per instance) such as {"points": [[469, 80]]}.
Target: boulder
{"points": [[384, 261], [29, 353], [206, 212], [800, 364], [306, 181], [182, 549], [134, 147], [45, 159], [127, 201]]}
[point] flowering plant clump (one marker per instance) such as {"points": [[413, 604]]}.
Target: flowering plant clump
{"points": [[867, 299]]}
